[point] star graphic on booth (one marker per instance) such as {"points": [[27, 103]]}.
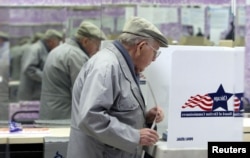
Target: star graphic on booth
{"points": [[220, 98], [238, 104]]}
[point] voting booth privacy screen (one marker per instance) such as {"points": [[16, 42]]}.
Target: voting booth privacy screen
{"points": [[200, 90]]}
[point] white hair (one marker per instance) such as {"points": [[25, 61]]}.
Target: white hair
{"points": [[132, 39]]}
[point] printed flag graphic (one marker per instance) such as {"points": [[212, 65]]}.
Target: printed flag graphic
{"points": [[236, 104], [204, 102]]}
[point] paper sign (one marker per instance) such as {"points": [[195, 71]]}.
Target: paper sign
{"points": [[172, 15], [219, 18], [241, 16]]}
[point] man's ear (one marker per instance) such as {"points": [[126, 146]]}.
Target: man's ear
{"points": [[140, 44], [84, 41], [139, 47], [50, 42]]}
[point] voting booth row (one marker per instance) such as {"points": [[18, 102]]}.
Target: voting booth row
{"points": [[203, 41], [199, 89]]}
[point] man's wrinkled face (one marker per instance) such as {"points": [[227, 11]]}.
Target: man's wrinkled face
{"points": [[148, 52], [55, 42], [92, 46]]}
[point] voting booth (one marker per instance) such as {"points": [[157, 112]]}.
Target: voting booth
{"points": [[200, 90]]}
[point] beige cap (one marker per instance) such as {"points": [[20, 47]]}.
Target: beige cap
{"points": [[53, 33], [24, 40], [88, 29], [142, 27], [4, 36], [37, 36]]}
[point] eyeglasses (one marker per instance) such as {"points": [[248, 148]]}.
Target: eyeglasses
{"points": [[157, 52]]}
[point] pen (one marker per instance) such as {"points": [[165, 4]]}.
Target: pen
{"points": [[155, 102]]}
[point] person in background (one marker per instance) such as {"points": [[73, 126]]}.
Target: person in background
{"points": [[25, 48], [230, 34], [190, 30], [3, 38], [30, 81], [16, 57], [109, 115], [199, 33], [4, 75], [15, 66], [61, 69], [36, 37], [19, 55]]}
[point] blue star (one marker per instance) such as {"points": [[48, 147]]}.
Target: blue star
{"points": [[239, 96], [220, 98]]}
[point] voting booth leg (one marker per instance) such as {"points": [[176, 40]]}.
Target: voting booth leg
{"points": [[55, 147]]}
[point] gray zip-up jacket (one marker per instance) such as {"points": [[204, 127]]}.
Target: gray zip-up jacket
{"points": [[60, 71], [31, 76], [107, 109], [4, 81]]}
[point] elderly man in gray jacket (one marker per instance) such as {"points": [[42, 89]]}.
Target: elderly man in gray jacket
{"points": [[4, 75], [62, 67], [32, 69], [109, 115]]}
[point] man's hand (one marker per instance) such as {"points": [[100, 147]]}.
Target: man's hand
{"points": [[155, 112], [148, 137]]}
